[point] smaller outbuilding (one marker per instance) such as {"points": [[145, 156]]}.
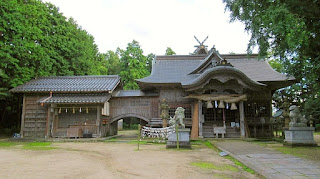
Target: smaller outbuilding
{"points": [[66, 106]]}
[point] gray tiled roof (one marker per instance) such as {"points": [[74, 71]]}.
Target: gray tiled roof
{"points": [[258, 70], [167, 70], [134, 93], [104, 83], [171, 71], [92, 98]]}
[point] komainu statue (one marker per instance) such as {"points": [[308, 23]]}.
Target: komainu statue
{"points": [[297, 120], [178, 116]]}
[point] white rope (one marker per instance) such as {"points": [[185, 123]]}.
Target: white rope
{"points": [[162, 133]]}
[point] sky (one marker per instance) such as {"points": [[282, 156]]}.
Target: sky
{"points": [[157, 24]]}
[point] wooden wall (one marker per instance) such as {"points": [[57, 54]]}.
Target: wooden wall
{"points": [[147, 107], [34, 116]]}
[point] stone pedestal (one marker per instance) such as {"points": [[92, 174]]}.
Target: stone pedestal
{"points": [[299, 136], [184, 139]]}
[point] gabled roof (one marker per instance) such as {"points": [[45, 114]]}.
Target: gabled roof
{"points": [[186, 69], [59, 84], [172, 69]]}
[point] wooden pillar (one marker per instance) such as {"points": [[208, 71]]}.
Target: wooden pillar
{"points": [[242, 127], [195, 121], [201, 119], [22, 116], [98, 121], [48, 121]]}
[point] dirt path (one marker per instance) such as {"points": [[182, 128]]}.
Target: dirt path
{"points": [[114, 160]]}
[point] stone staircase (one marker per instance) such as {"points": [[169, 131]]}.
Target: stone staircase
{"points": [[231, 132]]}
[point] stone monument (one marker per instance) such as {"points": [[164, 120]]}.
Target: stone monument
{"points": [[183, 133], [298, 133]]}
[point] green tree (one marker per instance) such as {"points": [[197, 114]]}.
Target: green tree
{"points": [[290, 31], [134, 65], [150, 58], [285, 28], [37, 40], [113, 62], [169, 51]]}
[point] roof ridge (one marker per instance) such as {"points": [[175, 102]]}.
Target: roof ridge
{"points": [[80, 76], [180, 57]]}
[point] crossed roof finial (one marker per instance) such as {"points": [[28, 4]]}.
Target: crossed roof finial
{"points": [[201, 49]]}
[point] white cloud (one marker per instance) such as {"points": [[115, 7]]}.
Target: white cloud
{"points": [[156, 24]]}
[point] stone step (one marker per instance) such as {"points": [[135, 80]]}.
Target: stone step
{"points": [[207, 134], [232, 135]]}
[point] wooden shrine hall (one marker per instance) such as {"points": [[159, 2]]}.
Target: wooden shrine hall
{"points": [[232, 91]]}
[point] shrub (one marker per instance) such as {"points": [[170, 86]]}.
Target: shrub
{"points": [[317, 127]]}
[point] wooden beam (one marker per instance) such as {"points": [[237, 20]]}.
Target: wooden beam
{"points": [[23, 115], [229, 98], [195, 121]]}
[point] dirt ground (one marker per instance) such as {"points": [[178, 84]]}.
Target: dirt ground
{"points": [[115, 160]]}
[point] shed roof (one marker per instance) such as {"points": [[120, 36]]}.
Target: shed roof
{"points": [[94, 98], [103, 83]]}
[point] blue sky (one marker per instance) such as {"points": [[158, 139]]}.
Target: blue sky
{"points": [[157, 25]]}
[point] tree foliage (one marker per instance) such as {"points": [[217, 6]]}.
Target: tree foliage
{"points": [[289, 30], [134, 65], [113, 62], [169, 51], [37, 40]]}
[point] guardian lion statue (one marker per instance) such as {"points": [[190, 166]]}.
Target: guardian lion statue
{"points": [[296, 118], [179, 116]]}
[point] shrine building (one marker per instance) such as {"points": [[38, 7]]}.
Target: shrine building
{"points": [[233, 91]]}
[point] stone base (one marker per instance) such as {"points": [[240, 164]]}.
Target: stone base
{"points": [[173, 144], [299, 136], [184, 139]]}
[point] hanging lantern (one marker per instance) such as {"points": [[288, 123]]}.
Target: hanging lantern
{"points": [[73, 110], [59, 110], [221, 104], [233, 106], [209, 104]]}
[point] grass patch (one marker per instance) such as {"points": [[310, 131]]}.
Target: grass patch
{"points": [[208, 165], [316, 133], [7, 144], [112, 140], [28, 145], [310, 153], [136, 142], [38, 146], [240, 164], [211, 146]]}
